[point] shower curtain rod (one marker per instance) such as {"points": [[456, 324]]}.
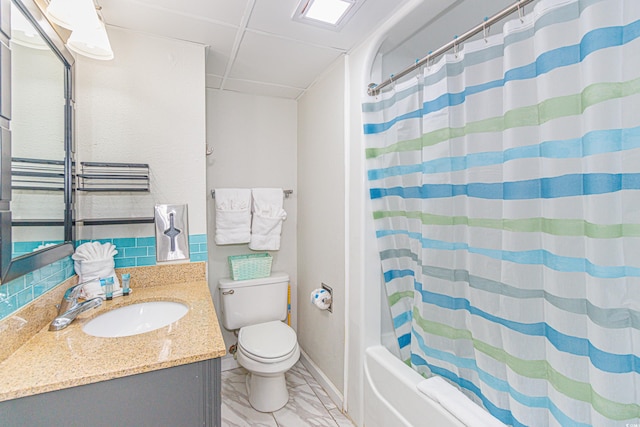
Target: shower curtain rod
{"points": [[374, 89]]}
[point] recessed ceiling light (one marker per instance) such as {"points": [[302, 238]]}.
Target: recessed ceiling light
{"points": [[329, 11], [332, 14]]}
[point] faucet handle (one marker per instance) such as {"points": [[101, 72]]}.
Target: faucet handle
{"points": [[73, 292], [71, 295]]}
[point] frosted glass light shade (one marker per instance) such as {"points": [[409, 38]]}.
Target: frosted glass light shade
{"points": [[88, 34], [70, 13], [90, 41], [23, 33]]}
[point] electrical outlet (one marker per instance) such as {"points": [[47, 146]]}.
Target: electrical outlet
{"points": [[328, 289]]}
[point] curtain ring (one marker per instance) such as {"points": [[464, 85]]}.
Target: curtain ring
{"points": [[520, 13], [485, 30], [429, 60], [455, 46], [371, 90], [420, 71]]}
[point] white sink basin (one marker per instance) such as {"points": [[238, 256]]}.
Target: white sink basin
{"points": [[135, 319]]}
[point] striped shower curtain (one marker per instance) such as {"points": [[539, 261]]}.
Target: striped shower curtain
{"points": [[505, 185]]}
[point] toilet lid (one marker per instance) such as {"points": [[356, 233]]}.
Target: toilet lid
{"points": [[269, 340]]}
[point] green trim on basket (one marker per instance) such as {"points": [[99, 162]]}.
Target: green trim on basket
{"points": [[251, 266]]}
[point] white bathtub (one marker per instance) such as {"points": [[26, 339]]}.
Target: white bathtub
{"points": [[391, 398]]}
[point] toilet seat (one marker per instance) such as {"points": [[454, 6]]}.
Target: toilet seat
{"points": [[269, 342]]}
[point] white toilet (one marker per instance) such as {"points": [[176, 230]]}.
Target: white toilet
{"points": [[267, 348]]}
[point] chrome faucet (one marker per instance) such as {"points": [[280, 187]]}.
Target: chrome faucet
{"points": [[69, 307]]}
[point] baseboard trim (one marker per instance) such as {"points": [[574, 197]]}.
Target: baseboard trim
{"points": [[322, 379], [228, 363]]}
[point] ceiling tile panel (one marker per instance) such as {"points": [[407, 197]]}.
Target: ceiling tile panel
{"points": [[257, 88], [223, 11], [272, 56], [138, 17], [213, 82], [275, 17], [280, 61]]}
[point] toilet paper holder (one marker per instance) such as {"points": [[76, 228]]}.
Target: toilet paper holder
{"points": [[322, 298]]}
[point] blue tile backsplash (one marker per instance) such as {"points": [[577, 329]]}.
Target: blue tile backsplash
{"points": [[132, 252], [141, 251], [21, 291], [23, 248]]}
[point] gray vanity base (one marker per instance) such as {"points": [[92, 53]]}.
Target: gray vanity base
{"points": [[186, 395]]}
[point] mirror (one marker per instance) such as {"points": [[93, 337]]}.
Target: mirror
{"points": [[41, 229], [37, 139]]}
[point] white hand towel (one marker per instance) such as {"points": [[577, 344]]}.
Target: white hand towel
{"points": [[268, 215], [94, 261], [457, 403], [92, 289], [233, 216]]}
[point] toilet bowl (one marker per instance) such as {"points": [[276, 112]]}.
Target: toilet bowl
{"points": [[267, 350], [267, 347]]}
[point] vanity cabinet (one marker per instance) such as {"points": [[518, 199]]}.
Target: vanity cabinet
{"points": [[186, 395]]}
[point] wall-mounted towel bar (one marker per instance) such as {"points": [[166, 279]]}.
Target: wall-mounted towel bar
{"points": [[37, 174], [115, 221], [287, 193], [104, 177], [92, 221]]}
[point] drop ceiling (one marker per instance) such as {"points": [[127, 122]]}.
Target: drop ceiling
{"points": [[253, 46]]}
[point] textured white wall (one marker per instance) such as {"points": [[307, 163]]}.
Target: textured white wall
{"points": [[145, 106], [254, 142], [321, 219]]}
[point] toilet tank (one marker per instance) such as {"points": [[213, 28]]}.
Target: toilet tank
{"points": [[249, 302]]}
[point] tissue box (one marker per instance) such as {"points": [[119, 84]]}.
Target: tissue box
{"points": [[252, 266]]}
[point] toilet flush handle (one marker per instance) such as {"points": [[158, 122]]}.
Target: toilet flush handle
{"points": [[228, 292]]}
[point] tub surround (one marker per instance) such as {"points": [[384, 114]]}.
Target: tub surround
{"points": [[391, 396], [50, 361]]}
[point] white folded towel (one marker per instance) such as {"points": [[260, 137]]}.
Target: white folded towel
{"points": [[233, 216], [94, 261], [460, 406], [94, 250], [268, 215], [91, 289]]}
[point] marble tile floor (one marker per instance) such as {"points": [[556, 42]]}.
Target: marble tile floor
{"points": [[309, 405]]}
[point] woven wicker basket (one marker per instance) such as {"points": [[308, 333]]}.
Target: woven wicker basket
{"points": [[253, 266]]}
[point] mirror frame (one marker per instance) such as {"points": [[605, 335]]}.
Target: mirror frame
{"points": [[13, 268]]}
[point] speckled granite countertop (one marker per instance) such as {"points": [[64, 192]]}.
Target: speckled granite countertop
{"points": [[55, 360]]}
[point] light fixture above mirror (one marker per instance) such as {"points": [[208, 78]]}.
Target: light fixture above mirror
{"points": [[88, 34], [23, 33]]}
